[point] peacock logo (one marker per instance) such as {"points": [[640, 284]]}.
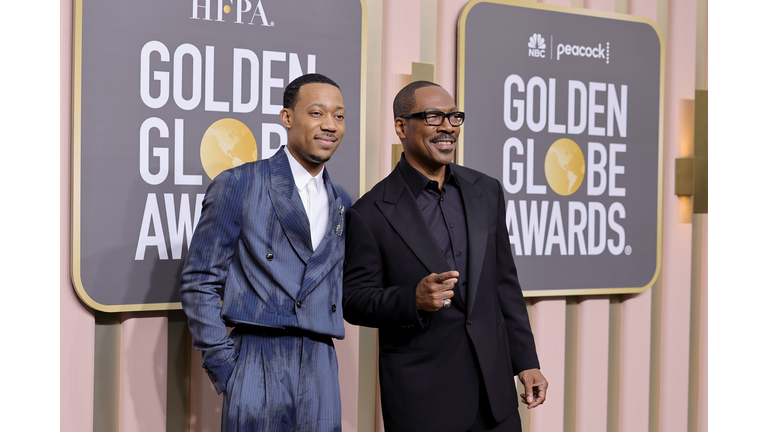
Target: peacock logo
{"points": [[536, 46]]}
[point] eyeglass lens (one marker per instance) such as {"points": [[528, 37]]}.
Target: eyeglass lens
{"points": [[436, 118]]}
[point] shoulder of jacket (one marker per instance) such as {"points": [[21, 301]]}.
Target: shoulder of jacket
{"points": [[343, 194], [369, 198]]}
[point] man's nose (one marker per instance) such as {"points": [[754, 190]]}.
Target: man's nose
{"points": [[446, 126], [328, 124]]}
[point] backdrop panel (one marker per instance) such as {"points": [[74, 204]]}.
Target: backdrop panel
{"points": [[564, 109], [169, 94]]}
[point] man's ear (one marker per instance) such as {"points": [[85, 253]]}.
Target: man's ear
{"points": [[400, 127], [286, 117]]}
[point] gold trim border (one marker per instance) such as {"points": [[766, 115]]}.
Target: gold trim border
{"points": [[363, 92], [460, 78], [76, 184]]}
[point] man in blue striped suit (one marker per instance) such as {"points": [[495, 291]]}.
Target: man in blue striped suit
{"points": [[266, 258]]}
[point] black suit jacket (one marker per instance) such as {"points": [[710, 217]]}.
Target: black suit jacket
{"points": [[431, 364]]}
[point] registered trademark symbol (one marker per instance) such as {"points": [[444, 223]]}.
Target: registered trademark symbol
{"points": [[628, 250]]}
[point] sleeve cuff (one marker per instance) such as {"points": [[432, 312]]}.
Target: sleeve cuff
{"points": [[221, 373]]}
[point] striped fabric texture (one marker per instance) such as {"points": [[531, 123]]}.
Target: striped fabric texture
{"points": [[251, 263]]}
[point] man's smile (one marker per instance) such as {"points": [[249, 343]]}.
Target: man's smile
{"points": [[444, 143]]}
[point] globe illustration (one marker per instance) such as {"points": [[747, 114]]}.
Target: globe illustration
{"points": [[564, 167], [226, 144]]}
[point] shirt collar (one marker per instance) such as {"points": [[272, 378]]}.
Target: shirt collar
{"points": [[300, 175], [416, 181]]}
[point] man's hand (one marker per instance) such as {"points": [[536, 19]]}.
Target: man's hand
{"points": [[535, 387], [434, 289]]}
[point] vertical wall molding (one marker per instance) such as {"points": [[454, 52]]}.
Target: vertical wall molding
{"points": [[373, 93], [698, 370], [106, 373], [143, 372], [655, 366], [614, 362], [204, 403], [548, 322], [399, 49], [571, 363], [448, 12], [591, 394], [179, 347], [348, 355], [428, 39]]}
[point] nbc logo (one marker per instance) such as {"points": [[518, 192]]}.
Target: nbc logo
{"points": [[536, 46]]}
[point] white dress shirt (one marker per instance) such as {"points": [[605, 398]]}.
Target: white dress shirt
{"points": [[314, 197]]}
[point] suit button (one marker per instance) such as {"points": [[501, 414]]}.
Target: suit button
{"points": [[469, 321], [298, 304], [333, 308], [270, 257]]}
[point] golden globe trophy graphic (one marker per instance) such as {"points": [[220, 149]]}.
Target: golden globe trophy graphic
{"points": [[564, 166], [226, 144]]}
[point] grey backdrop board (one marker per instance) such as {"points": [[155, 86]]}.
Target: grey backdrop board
{"points": [[563, 108], [169, 93]]}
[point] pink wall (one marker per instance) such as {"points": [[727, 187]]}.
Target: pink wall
{"points": [[77, 321], [548, 321], [654, 327], [399, 49], [675, 279], [143, 390]]}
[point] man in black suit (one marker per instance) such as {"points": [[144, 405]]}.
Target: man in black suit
{"points": [[428, 262]]}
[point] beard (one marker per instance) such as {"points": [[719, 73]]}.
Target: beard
{"points": [[318, 159]]}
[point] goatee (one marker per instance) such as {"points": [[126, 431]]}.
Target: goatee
{"points": [[319, 159]]}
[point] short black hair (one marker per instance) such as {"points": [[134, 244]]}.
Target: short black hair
{"points": [[406, 98], [290, 97]]}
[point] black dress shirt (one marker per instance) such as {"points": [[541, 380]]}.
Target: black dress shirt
{"points": [[444, 212]]}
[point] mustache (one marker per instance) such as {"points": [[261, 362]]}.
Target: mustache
{"points": [[328, 134], [443, 137]]}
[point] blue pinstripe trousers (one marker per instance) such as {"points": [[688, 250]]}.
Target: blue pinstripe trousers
{"points": [[285, 383]]}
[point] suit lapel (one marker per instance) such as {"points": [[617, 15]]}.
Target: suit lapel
{"points": [[318, 264], [288, 206], [404, 215], [475, 211]]}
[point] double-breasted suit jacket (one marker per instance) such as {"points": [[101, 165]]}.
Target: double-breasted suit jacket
{"points": [[431, 364], [252, 249]]}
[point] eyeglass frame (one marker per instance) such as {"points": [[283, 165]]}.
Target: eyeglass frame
{"points": [[443, 116]]}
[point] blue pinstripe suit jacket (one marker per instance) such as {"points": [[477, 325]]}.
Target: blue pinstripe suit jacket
{"points": [[252, 250]]}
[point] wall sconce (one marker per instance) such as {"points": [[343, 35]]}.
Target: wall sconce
{"points": [[684, 176], [691, 178]]}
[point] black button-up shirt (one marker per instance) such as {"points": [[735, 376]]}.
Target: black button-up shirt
{"points": [[444, 212]]}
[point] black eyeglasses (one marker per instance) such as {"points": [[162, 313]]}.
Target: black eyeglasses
{"points": [[436, 118]]}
